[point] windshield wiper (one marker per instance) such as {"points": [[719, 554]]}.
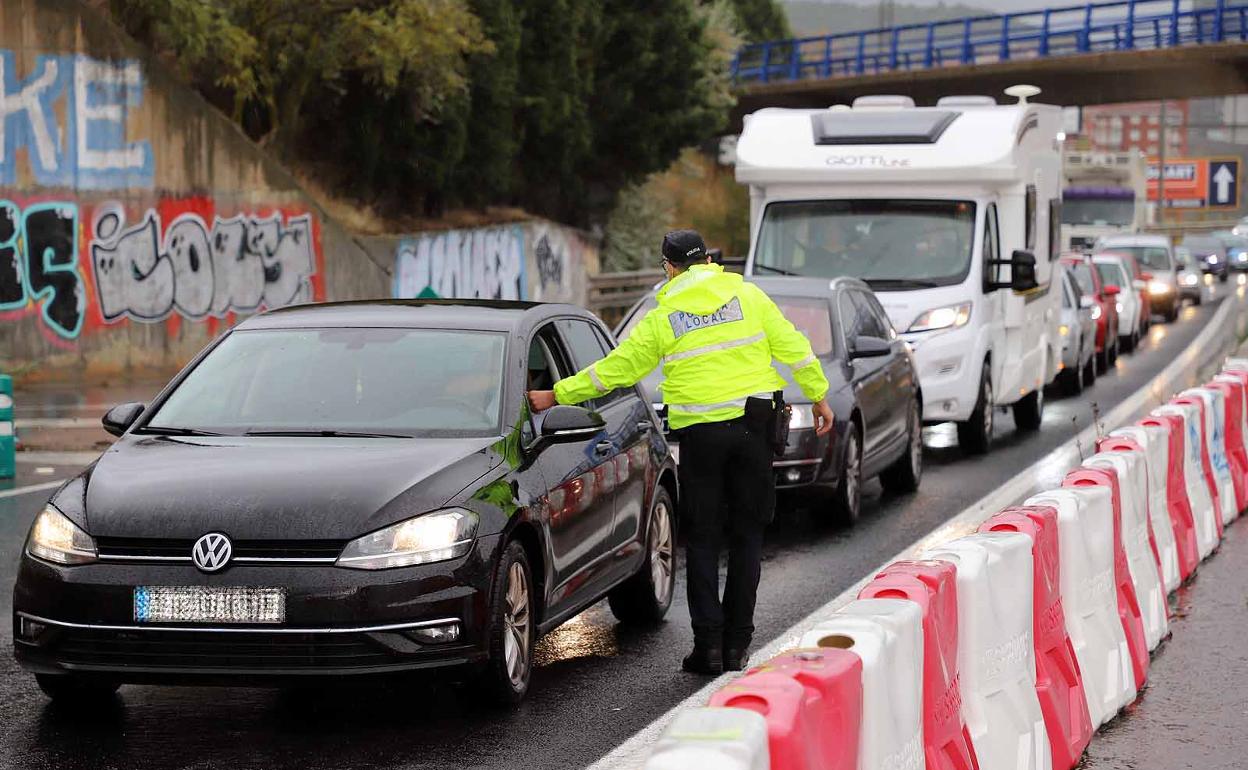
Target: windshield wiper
{"points": [[161, 430], [901, 283], [774, 269], [325, 433]]}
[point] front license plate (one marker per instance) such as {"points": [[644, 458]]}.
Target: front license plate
{"points": [[204, 604]]}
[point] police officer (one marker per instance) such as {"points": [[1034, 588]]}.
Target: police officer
{"points": [[716, 336]]}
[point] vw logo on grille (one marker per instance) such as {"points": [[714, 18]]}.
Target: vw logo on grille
{"points": [[212, 552]]}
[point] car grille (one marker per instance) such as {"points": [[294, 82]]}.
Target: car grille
{"points": [[217, 650], [153, 548]]}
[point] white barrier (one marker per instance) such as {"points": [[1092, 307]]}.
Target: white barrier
{"points": [[1215, 432], [996, 651], [1155, 442], [1194, 477], [1133, 489], [1085, 519], [731, 739], [887, 634]]}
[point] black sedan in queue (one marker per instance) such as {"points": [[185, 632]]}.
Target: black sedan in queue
{"points": [[353, 488], [873, 391]]}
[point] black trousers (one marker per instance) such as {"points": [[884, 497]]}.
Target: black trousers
{"points": [[728, 493]]}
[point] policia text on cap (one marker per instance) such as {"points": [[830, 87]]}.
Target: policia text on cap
{"points": [[715, 336]]}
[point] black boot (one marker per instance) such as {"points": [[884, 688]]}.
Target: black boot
{"points": [[736, 658], [704, 660]]}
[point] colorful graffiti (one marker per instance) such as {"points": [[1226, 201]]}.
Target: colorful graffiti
{"points": [[487, 263], [169, 264], [69, 116]]}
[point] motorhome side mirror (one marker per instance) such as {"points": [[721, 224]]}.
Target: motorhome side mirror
{"points": [[570, 423], [118, 420], [1023, 271], [869, 347], [1112, 291]]}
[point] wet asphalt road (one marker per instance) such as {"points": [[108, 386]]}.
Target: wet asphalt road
{"points": [[596, 682]]}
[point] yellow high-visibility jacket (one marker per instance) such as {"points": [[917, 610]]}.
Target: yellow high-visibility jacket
{"points": [[716, 336]]}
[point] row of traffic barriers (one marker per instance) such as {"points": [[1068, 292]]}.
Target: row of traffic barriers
{"points": [[1007, 648]]}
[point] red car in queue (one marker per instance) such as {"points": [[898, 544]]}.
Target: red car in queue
{"points": [[1104, 307]]}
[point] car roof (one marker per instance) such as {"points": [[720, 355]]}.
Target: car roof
{"points": [[1110, 256], [475, 314], [795, 286], [1136, 239]]}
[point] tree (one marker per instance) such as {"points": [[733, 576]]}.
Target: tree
{"points": [[761, 20]]}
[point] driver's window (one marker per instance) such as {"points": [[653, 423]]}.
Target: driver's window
{"points": [[544, 367]]}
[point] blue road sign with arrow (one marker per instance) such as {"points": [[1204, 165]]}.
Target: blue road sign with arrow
{"points": [[1223, 183]]}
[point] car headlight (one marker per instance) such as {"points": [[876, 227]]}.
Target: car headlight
{"points": [[431, 537], [1063, 330], [950, 317], [1157, 288], [802, 416], [1190, 280], [1096, 312], [56, 539], [1213, 259]]}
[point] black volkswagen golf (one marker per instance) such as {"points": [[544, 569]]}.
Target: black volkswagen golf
{"points": [[352, 488]]}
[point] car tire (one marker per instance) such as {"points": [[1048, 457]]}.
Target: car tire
{"points": [[847, 498], [1073, 380], [1200, 297], [1029, 411], [975, 434], [645, 597], [1126, 344], [1113, 354], [1089, 370], [75, 688], [1172, 314], [504, 678], [1222, 278], [904, 475]]}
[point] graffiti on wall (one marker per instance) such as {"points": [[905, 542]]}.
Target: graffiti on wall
{"points": [[145, 271], [487, 263], [83, 266], [39, 263], [556, 253], [68, 117]]}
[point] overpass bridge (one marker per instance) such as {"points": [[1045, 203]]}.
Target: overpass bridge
{"points": [[1131, 50]]}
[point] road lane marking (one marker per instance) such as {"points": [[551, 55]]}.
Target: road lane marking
{"points": [[30, 489], [1042, 474]]}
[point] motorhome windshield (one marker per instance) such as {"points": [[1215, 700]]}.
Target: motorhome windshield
{"points": [[890, 244], [1098, 211]]}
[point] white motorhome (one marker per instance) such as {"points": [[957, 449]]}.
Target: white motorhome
{"points": [[950, 213], [1103, 194]]}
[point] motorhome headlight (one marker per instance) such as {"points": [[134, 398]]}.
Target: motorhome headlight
{"points": [[437, 536], [950, 317], [1096, 312]]}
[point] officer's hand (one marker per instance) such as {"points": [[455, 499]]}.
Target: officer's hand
{"points": [[541, 400], [823, 418]]}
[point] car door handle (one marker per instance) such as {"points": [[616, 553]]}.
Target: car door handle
{"points": [[603, 447]]}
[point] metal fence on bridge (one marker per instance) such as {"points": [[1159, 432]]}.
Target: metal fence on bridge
{"points": [[1131, 25]]}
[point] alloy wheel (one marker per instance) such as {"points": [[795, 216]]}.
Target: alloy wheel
{"points": [[988, 408], [516, 620], [853, 470], [916, 441], [661, 554]]}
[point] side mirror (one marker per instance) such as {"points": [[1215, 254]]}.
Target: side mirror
{"points": [[119, 419], [1086, 301], [1023, 271], [1112, 291], [570, 423], [869, 347]]}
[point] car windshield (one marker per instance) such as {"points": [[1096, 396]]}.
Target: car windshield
{"points": [[1111, 274], [891, 244], [1083, 276], [1149, 257], [810, 315], [1098, 211], [374, 381]]}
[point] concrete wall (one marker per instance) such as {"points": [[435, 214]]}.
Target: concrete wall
{"points": [[136, 222]]}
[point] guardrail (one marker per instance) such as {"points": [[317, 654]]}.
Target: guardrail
{"points": [[612, 294], [1128, 25]]}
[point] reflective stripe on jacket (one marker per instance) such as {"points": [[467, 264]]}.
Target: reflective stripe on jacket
{"points": [[715, 336]]}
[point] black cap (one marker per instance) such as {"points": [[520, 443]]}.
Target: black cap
{"points": [[683, 247]]}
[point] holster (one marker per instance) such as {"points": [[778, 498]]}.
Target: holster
{"points": [[771, 418]]}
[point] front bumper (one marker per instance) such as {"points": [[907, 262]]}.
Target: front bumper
{"points": [[338, 622], [949, 370]]}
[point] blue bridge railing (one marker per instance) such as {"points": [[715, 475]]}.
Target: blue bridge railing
{"points": [[1128, 25]]}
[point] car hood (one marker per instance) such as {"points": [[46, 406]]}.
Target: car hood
{"points": [[273, 488]]}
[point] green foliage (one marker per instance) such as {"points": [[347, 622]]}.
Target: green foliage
{"points": [[761, 20]]}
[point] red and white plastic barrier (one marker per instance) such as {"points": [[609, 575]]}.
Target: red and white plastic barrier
{"points": [[1007, 648]]}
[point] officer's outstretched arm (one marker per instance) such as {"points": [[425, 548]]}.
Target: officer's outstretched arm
{"points": [[623, 367], [789, 346]]}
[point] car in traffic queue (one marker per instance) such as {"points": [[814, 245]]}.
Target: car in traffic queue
{"points": [[873, 391], [1189, 277], [1209, 254], [1139, 279], [1236, 249], [1116, 275], [348, 489], [1103, 306], [1078, 335], [1154, 254]]}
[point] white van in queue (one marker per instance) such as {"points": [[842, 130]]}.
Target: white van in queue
{"points": [[950, 213]]}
